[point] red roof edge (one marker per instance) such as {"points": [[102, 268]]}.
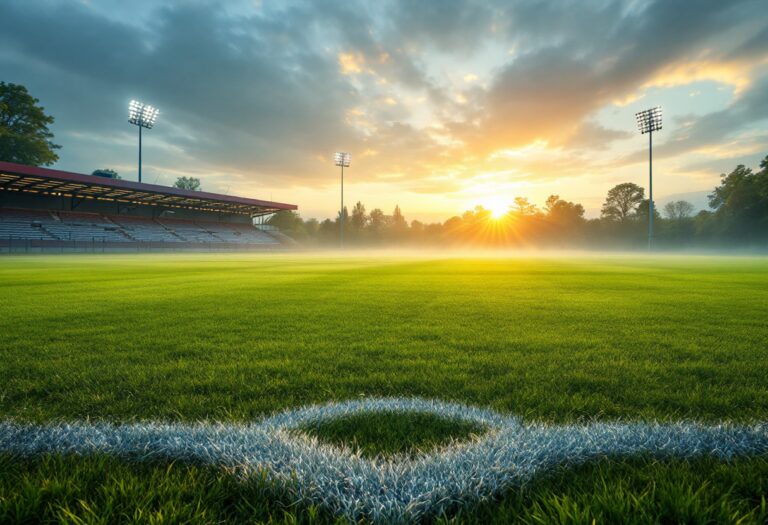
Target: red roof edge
{"points": [[47, 173]]}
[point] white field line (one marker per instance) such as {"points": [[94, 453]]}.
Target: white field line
{"points": [[399, 490]]}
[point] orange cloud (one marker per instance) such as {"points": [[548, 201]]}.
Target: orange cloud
{"points": [[351, 63], [736, 74]]}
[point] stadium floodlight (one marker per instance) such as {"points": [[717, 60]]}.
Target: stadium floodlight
{"points": [[342, 159], [143, 116], [649, 121]]}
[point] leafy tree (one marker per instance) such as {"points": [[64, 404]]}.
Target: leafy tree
{"points": [[622, 202], [563, 212], [328, 231], [359, 217], [762, 179], [24, 134], [642, 211], [523, 207], [398, 225], [732, 189], [311, 227], [188, 183], [398, 220], [106, 173], [741, 204], [377, 222], [345, 214], [287, 221], [678, 210]]}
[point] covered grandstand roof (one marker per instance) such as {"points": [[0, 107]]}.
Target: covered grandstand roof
{"points": [[18, 177]]}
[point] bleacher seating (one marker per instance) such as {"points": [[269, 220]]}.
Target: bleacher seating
{"points": [[144, 230], [73, 226], [93, 227], [236, 233], [24, 224], [188, 230]]}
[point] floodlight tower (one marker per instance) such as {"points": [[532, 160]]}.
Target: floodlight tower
{"points": [[143, 116], [649, 121], [342, 159]]}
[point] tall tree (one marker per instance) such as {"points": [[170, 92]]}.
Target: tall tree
{"points": [[397, 215], [563, 212], [622, 202], [187, 183], [398, 226], [377, 220], [106, 173], [642, 211], [741, 205], [678, 210], [524, 207], [24, 134], [359, 217], [287, 221], [343, 214]]}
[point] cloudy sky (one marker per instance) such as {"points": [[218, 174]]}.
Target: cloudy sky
{"points": [[442, 104]]}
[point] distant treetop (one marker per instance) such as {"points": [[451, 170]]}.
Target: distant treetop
{"points": [[187, 183], [106, 173]]}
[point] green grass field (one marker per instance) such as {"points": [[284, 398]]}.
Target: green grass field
{"points": [[232, 337]]}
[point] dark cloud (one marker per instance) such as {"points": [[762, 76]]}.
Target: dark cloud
{"points": [[251, 91], [754, 48], [590, 54], [448, 25], [259, 91]]}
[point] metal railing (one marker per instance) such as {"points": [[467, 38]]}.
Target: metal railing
{"points": [[20, 245]]}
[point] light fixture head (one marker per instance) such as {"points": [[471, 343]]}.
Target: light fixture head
{"points": [[342, 159], [649, 120], [142, 114]]}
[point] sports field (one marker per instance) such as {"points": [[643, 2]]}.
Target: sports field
{"points": [[233, 338]]}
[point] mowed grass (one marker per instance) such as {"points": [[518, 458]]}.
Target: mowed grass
{"points": [[384, 434], [232, 337]]}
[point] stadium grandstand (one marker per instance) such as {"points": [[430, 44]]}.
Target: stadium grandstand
{"points": [[49, 210]]}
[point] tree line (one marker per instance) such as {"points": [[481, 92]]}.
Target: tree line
{"points": [[738, 217]]}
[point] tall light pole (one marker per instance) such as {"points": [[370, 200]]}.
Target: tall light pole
{"points": [[143, 116], [649, 121], [342, 159]]}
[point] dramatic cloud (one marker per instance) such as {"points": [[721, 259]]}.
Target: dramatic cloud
{"points": [[439, 102]]}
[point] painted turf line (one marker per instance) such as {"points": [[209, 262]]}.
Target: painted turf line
{"points": [[401, 489]]}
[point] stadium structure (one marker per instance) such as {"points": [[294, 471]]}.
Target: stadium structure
{"points": [[50, 210]]}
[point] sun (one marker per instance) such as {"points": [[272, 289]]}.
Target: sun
{"points": [[497, 206]]}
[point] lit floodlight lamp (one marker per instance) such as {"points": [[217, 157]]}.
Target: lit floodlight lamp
{"points": [[143, 116], [649, 121], [342, 160]]}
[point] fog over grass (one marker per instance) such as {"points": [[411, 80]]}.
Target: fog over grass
{"points": [[553, 337]]}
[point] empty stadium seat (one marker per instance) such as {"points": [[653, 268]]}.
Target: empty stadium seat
{"points": [[93, 227]]}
